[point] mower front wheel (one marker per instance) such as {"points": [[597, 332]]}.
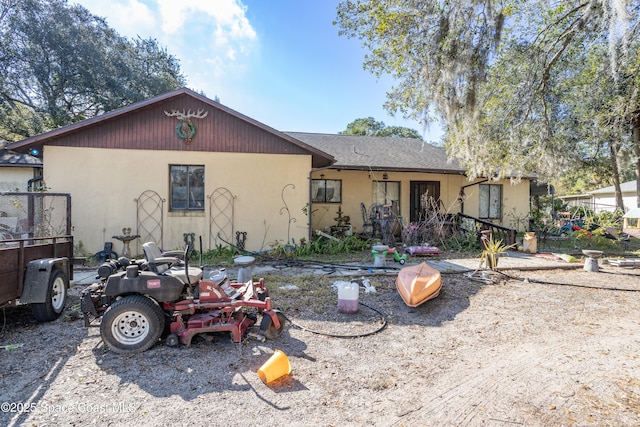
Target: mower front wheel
{"points": [[172, 340], [268, 328], [131, 325]]}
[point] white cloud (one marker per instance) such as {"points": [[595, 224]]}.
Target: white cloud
{"points": [[228, 14], [212, 38], [130, 18], [227, 19]]}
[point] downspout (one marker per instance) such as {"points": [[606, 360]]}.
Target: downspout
{"points": [[462, 195], [32, 181]]}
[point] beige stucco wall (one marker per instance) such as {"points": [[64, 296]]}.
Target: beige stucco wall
{"points": [[357, 188], [16, 178], [515, 203], [104, 183]]}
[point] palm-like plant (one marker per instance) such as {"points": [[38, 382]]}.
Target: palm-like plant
{"points": [[492, 251]]}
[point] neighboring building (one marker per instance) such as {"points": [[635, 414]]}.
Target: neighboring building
{"points": [[181, 163], [575, 200], [604, 199], [20, 172]]}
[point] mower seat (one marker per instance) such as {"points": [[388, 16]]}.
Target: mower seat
{"points": [[160, 263]]}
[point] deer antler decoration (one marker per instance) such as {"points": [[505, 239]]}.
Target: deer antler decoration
{"points": [[185, 129]]}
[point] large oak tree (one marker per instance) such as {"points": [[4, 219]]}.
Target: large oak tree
{"points": [[61, 64], [496, 73], [370, 127]]}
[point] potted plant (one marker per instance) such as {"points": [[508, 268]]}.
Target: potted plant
{"points": [[492, 251]]}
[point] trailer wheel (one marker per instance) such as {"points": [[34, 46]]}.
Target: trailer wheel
{"points": [[268, 329], [131, 325], [56, 298]]}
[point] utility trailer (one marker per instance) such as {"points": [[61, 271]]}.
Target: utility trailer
{"points": [[36, 252]]}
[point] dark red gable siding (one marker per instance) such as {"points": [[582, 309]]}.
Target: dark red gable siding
{"points": [[149, 128]]}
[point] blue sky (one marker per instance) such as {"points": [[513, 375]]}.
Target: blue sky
{"points": [[280, 62]]}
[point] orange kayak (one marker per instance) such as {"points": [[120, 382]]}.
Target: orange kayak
{"points": [[418, 283]]}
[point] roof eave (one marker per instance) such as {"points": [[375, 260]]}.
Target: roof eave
{"points": [[21, 165], [397, 169], [27, 143]]}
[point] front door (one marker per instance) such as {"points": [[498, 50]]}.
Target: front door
{"points": [[425, 196]]}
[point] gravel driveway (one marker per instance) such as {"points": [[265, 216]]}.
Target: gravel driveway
{"points": [[535, 348]]}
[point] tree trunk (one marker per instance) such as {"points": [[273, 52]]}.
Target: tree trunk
{"points": [[615, 149], [636, 149]]}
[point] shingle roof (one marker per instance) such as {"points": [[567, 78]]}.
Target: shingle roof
{"points": [[625, 187], [11, 158], [378, 153]]}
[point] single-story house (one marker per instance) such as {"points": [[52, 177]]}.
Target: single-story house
{"points": [[178, 164], [604, 199], [19, 171], [181, 166], [576, 200]]}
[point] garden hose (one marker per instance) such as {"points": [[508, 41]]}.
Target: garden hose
{"points": [[544, 282], [328, 334]]}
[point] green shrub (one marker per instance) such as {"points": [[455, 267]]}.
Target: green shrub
{"points": [[322, 246], [594, 240], [463, 242]]}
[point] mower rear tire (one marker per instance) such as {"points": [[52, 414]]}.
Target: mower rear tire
{"points": [[161, 314], [131, 325], [268, 328]]}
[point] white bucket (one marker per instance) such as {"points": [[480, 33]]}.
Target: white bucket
{"points": [[246, 268], [348, 294]]}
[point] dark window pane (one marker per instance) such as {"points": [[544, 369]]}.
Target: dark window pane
{"points": [[326, 191], [186, 187], [196, 187]]}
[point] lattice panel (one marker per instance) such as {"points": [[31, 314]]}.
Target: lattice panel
{"points": [[221, 212], [150, 214]]}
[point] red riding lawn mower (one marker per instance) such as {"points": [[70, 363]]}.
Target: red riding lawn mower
{"points": [[140, 301]]}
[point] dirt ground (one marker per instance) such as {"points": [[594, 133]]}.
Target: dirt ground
{"points": [[490, 351]]}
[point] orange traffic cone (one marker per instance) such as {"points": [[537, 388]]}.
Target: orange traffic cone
{"points": [[277, 366]]}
